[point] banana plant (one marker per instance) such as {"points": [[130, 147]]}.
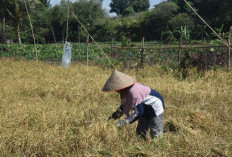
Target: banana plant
{"points": [[201, 32], [185, 33], [222, 34]]}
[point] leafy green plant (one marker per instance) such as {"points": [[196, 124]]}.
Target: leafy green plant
{"points": [[185, 34], [125, 41], [222, 34], [169, 36]]}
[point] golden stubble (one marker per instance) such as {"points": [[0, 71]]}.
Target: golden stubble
{"points": [[48, 110]]}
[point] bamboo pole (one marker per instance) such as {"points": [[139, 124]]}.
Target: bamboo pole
{"points": [[53, 33], [180, 45], [87, 50], [66, 39], [33, 35]]}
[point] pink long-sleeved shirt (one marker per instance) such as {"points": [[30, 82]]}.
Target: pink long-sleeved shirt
{"points": [[133, 96]]}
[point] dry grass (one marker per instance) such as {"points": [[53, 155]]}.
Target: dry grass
{"points": [[47, 110]]}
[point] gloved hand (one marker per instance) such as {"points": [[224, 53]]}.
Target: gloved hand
{"points": [[116, 115], [122, 123]]}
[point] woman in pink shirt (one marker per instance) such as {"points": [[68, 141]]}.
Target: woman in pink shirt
{"points": [[138, 102]]}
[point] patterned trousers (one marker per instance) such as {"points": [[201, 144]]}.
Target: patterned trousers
{"points": [[154, 124]]}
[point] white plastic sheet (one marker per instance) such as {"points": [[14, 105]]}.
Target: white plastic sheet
{"points": [[67, 55]]}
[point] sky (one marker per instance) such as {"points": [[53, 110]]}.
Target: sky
{"points": [[106, 4]]}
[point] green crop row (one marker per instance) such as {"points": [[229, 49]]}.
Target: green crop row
{"points": [[120, 57], [50, 52]]}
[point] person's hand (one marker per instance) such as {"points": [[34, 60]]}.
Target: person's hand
{"points": [[122, 123], [116, 115]]}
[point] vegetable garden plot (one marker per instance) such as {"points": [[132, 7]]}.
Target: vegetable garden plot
{"points": [[202, 58]]}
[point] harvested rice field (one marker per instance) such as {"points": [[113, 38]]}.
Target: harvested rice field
{"points": [[48, 110]]}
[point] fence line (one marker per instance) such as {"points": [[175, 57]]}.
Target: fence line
{"points": [[210, 55], [130, 56], [174, 47]]}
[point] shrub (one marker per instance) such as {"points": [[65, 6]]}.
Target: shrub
{"points": [[125, 41]]}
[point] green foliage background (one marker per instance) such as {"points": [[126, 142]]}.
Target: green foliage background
{"points": [[133, 21]]}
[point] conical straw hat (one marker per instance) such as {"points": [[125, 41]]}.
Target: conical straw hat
{"points": [[118, 81]]}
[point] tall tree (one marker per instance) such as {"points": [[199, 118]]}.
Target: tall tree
{"points": [[46, 3], [88, 12], [120, 6], [98, 2], [156, 21], [4, 11], [215, 12], [16, 15], [140, 5]]}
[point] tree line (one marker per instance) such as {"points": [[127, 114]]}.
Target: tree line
{"points": [[166, 21]]}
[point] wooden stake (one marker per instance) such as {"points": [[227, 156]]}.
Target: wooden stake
{"points": [[112, 47], [143, 39], [142, 52]]}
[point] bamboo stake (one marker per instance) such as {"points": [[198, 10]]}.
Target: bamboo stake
{"points": [[33, 35]]}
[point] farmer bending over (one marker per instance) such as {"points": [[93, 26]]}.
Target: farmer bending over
{"points": [[146, 103]]}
